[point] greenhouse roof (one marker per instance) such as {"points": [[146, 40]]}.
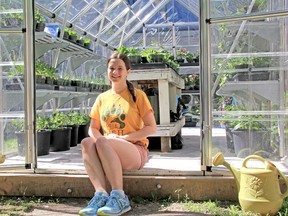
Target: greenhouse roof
{"points": [[114, 22]]}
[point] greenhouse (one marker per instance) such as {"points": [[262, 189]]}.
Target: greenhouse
{"points": [[214, 72]]}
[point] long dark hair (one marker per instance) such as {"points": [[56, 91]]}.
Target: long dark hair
{"points": [[127, 63]]}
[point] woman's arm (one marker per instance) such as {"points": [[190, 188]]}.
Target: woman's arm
{"points": [[94, 129], [148, 129]]}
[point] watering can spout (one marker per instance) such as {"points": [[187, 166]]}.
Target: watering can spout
{"points": [[219, 160]]}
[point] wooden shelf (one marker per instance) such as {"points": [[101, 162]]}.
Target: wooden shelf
{"points": [[169, 84]]}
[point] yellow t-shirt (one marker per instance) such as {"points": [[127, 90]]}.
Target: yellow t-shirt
{"points": [[119, 114]]}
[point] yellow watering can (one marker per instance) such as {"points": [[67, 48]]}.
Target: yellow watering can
{"points": [[258, 188]]}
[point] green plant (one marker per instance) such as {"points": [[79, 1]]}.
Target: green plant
{"points": [[17, 70], [72, 32], [58, 120], [244, 122], [129, 51], [11, 18], [181, 54], [87, 40], [82, 118], [134, 51], [39, 18], [124, 50], [45, 70], [42, 123]]}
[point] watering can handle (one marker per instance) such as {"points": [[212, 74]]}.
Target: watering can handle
{"points": [[268, 164], [284, 195]]}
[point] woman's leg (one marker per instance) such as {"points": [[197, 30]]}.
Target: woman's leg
{"points": [[92, 164], [117, 155]]}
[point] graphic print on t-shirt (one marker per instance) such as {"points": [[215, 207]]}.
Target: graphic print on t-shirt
{"points": [[114, 117]]}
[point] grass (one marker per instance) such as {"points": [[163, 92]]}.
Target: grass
{"points": [[20, 205], [10, 146]]}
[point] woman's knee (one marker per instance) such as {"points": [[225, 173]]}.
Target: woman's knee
{"points": [[101, 142], [87, 142]]}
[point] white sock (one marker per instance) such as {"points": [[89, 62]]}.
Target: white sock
{"points": [[104, 193], [120, 192]]}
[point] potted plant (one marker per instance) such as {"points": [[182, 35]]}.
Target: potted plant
{"points": [[61, 133], [10, 19], [43, 136], [181, 55], [83, 120], [134, 55], [40, 22], [157, 55], [80, 41], [45, 73], [72, 121], [72, 36], [87, 42], [66, 34], [250, 134]]}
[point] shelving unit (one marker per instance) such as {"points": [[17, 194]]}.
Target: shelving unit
{"points": [[169, 85], [45, 42], [242, 90]]}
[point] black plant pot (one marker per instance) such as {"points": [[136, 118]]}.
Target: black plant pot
{"points": [[74, 135], [40, 27], [60, 139], [43, 142], [251, 142], [82, 132]]}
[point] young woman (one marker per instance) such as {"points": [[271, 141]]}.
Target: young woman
{"points": [[126, 117]]}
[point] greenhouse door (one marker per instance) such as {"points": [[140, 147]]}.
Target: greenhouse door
{"points": [[17, 112], [248, 73]]}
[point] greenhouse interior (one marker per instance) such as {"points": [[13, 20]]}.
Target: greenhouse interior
{"points": [[214, 72]]}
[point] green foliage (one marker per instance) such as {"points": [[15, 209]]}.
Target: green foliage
{"points": [[244, 122], [124, 50], [72, 32], [58, 120], [45, 70], [87, 40], [17, 70], [42, 123], [82, 118], [129, 50], [77, 118], [39, 18]]}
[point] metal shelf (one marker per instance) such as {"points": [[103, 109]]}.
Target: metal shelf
{"points": [[45, 42]]}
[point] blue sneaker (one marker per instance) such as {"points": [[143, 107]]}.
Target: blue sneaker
{"points": [[99, 200], [116, 205]]}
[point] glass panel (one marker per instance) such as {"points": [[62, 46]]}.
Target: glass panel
{"points": [[12, 143], [109, 33], [116, 41], [87, 18], [161, 36], [249, 89], [115, 12], [76, 7], [132, 25], [94, 30], [236, 7], [11, 14], [188, 37], [135, 41], [49, 5]]}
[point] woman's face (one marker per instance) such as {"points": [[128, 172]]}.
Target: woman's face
{"points": [[117, 71]]}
